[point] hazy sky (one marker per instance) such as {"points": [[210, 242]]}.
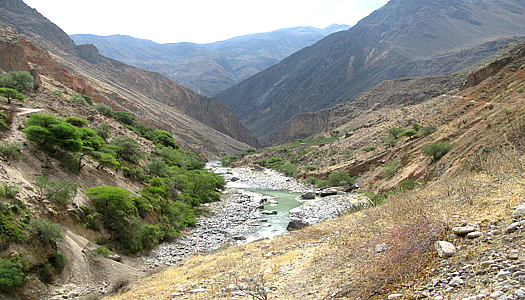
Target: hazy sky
{"points": [[198, 21]]}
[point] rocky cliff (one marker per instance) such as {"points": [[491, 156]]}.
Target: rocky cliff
{"points": [[200, 123], [402, 39]]}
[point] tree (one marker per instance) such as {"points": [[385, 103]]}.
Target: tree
{"points": [[409, 133], [165, 138], [125, 117], [78, 122], [129, 149], [48, 131], [11, 94], [340, 178], [395, 132]]}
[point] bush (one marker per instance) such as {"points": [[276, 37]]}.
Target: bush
{"points": [[369, 148], [436, 150], [77, 122], [12, 94], [60, 191], [18, 80], [48, 131], [390, 168], [274, 162], [395, 132], [12, 273], [8, 191], [10, 150], [5, 121], [105, 110], [100, 251], [227, 160], [81, 99], [340, 178], [46, 231], [426, 131], [409, 133], [124, 117], [129, 149], [389, 143], [289, 169], [102, 131]]}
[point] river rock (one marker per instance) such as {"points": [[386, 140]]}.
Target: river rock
{"points": [[296, 223], [445, 249], [328, 192], [297, 213], [519, 211], [308, 196], [269, 212], [460, 230]]}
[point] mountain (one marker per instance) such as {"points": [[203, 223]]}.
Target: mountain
{"points": [[209, 68], [404, 38], [199, 123]]}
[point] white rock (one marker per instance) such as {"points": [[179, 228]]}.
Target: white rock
{"points": [[455, 281], [463, 230], [445, 249], [496, 294], [395, 296], [519, 211]]}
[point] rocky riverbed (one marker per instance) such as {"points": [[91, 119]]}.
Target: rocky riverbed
{"points": [[236, 216]]}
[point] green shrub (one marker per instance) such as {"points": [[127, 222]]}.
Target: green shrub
{"points": [[81, 99], [46, 231], [103, 131], [165, 139], [77, 122], [100, 251], [389, 143], [436, 150], [60, 191], [18, 80], [408, 185], [125, 117], [135, 174], [105, 110], [410, 133], [289, 169], [310, 180], [180, 158], [427, 130], [5, 122], [48, 131], [369, 148], [340, 178], [129, 149], [11, 150], [8, 191], [12, 273], [390, 168], [416, 126], [395, 132], [12, 94], [274, 162], [227, 160]]}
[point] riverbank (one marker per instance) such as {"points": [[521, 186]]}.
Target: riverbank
{"points": [[237, 218]]}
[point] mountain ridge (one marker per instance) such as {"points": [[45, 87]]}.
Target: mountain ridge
{"points": [[345, 64], [209, 68]]}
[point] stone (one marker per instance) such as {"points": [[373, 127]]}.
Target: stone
{"points": [[496, 294], [463, 230], [296, 213], [394, 296], [296, 223], [269, 212], [328, 192], [519, 211], [455, 281], [234, 179], [474, 235], [445, 249], [308, 196]]}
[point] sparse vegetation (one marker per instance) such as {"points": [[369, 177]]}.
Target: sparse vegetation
{"points": [[369, 148], [436, 150]]}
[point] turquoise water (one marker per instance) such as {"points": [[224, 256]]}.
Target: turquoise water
{"points": [[278, 223]]}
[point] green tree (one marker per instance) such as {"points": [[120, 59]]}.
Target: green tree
{"points": [[48, 131], [340, 178], [125, 117], [129, 149], [416, 126], [410, 133], [105, 110], [165, 139], [78, 122], [395, 132], [11, 94], [12, 273]]}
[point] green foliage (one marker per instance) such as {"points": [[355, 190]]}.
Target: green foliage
{"points": [[5, 121], [408, 185], [47, 272], [227, 160], [12, 273], [369, 148], [165, 139], [11, 94], [129, 149], [103, 131], [274, 162], [416, 126], [101, 251], [10, 150], [124, 117], [334, 133], [436, 150], [48, 131], [180, 158], [410, 133], [8, 191], [46, 231], [389, 143], [390, 168], [135, 174], [60, 191], [289, 169], [78, 122], [11, 229], [18, 80], [105, 110], [395, 132], [427, 130], [81, 99], [340, 178]]}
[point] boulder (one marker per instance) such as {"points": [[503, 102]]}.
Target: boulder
{"points": [[296, 213], [519, 211], [296, 223], [445, 249], [463, 230], [307, 196], [257, 167], [269, 212], [328, 192]]}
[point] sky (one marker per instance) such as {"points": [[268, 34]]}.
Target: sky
{"points": [[198, 21]]}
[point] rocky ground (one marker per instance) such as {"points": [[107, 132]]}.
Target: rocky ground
{"points": [[488, 262], [231, 220]]}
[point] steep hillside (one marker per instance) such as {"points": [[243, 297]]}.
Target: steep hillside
{"points": [[209, 68], [402, 39], [203, 124]]}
